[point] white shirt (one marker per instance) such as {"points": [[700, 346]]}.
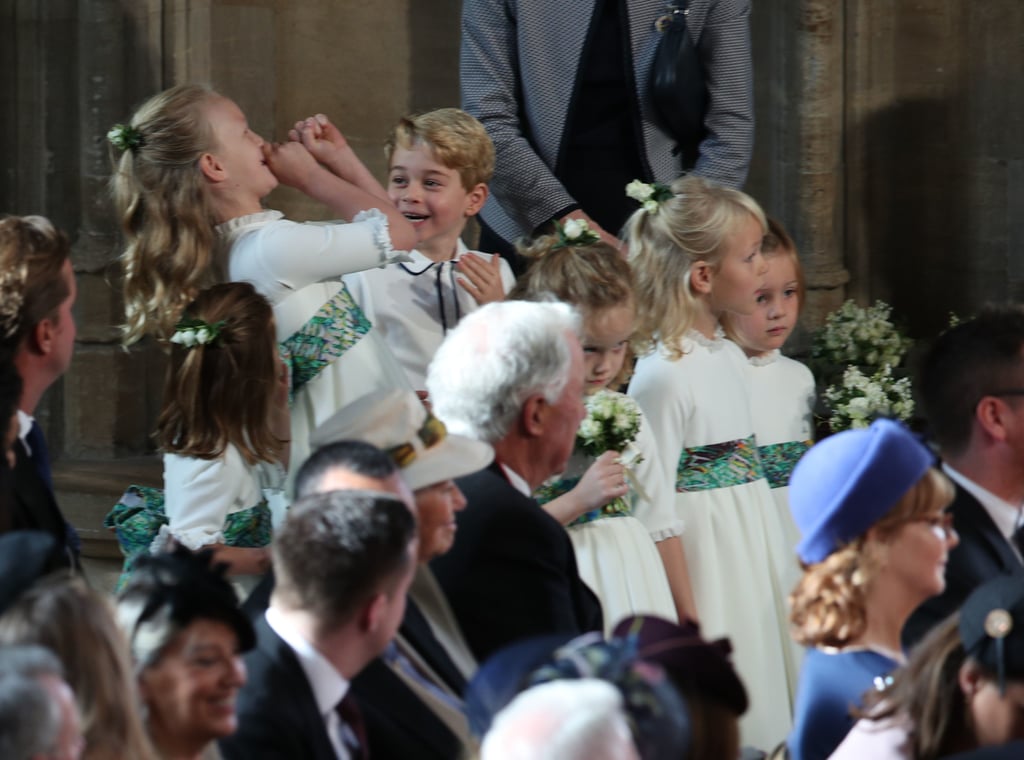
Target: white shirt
{"points": [[1005, 515], [517, 481], [25, 422], [329, 687], [414, 304]]}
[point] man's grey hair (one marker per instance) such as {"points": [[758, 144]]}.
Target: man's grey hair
{"points": [[562, 720], [497, 358], [30, 720]]}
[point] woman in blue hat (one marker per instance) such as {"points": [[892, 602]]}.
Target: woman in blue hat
{"points": [[874, 541], [962, 690]]}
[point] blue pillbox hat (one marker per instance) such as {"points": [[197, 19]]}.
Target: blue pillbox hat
{"points": [[845, 484]]}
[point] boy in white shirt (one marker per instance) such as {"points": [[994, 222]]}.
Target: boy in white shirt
{"points": [[439, 164]]}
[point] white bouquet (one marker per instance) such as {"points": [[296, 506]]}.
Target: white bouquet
{"points": [[611, 424], [859, 399], [864, 337]]}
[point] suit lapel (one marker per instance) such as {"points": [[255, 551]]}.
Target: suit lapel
{"points": [[971, 517]]}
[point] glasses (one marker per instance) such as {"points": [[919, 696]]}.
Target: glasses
{"points": [[941, 523]]}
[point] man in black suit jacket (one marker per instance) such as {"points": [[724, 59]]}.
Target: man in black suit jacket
{"points": [[37, 332], [972, 388], [511, 374], [343, 562]]}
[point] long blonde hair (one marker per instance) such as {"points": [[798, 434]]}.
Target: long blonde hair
{"points": [[828, 607], [690, 226], [78, 625], [165, 211]]}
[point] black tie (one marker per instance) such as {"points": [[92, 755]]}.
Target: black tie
{"points": [[1018, 539], [352, 717]]}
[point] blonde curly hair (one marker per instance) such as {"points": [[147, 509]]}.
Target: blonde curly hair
{"points": [[691, 226], [828, 607]]}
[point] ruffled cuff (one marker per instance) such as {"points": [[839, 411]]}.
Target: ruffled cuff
{"points": [[378, 221], [672, 530], [193, 539]]}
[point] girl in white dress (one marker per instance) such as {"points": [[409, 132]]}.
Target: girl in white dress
{"points": [[188, 187], [622, 524], [223, 431], [781, 389], [696, 253]]}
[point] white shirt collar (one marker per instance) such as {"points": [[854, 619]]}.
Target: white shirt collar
{"points": [[518, 482], [1004, 514], [25, 421], [328, 685]]}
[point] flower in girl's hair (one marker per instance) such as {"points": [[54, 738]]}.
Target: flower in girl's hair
{"points": [[196, 332], [575, 232], [125, 137], [648, 196]]}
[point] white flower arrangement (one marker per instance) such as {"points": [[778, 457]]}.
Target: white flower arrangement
{"points": [[195, 332], [649, 196], [864, 337], [611, 424], [860, 398], [575, 232]]}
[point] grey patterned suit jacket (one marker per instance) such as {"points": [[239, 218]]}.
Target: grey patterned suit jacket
{"points": [[519, 63]]}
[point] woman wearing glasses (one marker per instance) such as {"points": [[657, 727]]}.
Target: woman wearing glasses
{"points": [[875, 536]]}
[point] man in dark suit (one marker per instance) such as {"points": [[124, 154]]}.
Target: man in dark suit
{"points": [[343, 562], [511, 374], [971, 385], [37, 329]]}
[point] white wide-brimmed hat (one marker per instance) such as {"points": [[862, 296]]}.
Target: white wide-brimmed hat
{"points": [[398, 423]]}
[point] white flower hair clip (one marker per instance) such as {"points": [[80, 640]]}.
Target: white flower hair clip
{"points": [[650, 196], [574, 232], [196, 332]]}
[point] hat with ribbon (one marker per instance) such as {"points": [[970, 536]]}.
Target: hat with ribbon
{"points": [[845, 484], [398, 423]]}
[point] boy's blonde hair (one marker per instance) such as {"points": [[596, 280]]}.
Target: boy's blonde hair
{"points": [[165, 211], [693, 225], [458, 141]]}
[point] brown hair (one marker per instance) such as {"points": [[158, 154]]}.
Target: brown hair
{"points": [[714, 727], [591, 277], [828, 605], [927, 690], [165, 210], [78, 624], [32, 283], [693, 225], [457, 140], [223, 392]]}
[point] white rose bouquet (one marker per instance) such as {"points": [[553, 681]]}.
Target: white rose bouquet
{"points": [[612, 424], [860, 398], [864, 337]]}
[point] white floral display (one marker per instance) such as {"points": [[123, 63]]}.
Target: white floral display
{"points": [[860, 398], [862, 336]]}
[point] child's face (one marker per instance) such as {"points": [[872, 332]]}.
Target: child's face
{"points": [[606, 336], [778, 306], [238, 149], [740, 273], [432, 197]]}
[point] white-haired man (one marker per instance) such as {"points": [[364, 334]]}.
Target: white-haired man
{"points": [[511, 375]]}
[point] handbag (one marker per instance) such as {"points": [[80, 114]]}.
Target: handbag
{"points": [[679, 92]]}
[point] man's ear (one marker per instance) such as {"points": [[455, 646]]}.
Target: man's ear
{"points": [[372, 612], [39, 339], [701, 275], [212, 168], [533, 414], [476, 198], [991, 414]]}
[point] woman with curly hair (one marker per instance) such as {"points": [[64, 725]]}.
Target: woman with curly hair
{"points": [[875, 535]]}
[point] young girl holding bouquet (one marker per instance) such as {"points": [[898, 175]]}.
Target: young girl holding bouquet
{"points": [[188, 187], [619, 516], [781, 389], [224, 434], [696, 253]]}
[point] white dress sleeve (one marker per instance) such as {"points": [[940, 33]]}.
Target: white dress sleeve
{"points": [[285, 256], [199, 494], [657, 511], [659, 387]]}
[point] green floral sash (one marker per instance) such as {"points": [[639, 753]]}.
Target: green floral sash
{"points": [[779, 459], [139, 515], [550, 491], [333, 330], [718, 465]]}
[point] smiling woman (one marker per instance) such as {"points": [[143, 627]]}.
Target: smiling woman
{"points": [[186, 634]]}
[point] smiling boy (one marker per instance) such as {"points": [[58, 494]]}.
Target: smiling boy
{"points": [[439, 164]]}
